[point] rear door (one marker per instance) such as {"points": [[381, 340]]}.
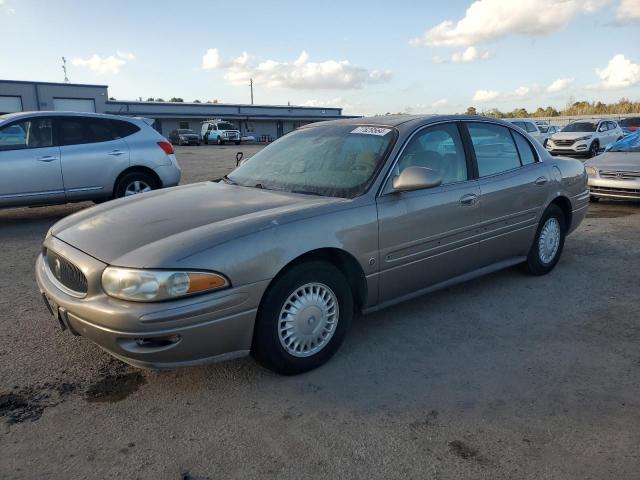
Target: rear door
{"points": [[93, 155], [428, 236], [30, 172], [514, 188]]}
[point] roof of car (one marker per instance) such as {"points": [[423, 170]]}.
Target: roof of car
{"points": [[402, 120], [48, 113]]}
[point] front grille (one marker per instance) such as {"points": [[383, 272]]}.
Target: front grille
{"points": [[626, 192], [617, 175], [66, 272], [564, 143]]}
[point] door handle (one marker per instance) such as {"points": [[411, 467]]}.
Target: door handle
{"points": [[47, 158], [116, 153], [541, 181], [469, 199]]}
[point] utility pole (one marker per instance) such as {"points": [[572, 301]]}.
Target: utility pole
{"points": [[64, 69], [251, 85]]}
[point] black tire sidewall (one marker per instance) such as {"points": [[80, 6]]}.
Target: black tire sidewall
{"points": [[121, 186], [594, 151], [534, 264], [266, 347]]}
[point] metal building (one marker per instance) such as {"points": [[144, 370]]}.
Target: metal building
{"points": [[257, 120]]}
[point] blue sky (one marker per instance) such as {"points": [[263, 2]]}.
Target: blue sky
{"points": [[370, 57]]}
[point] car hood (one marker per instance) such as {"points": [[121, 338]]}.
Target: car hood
{"points": [[157, 228], [569, 135], [619, 161]]}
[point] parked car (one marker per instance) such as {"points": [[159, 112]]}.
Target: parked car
{"points": [[626, 131], [548, 130], [616, 173], [584, 137], [332, 219], [68, 157], [530, 127], [632, 123], [219, 132], [184, 136]]}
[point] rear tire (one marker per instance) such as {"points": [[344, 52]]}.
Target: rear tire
{"points": [[548, 243], [129, 183], [293, 316]]}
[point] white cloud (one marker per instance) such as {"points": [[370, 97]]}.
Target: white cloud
{"points": [[438, 59], [422, 108], [471, 54], [4, 7], [298, 74], [560, 84], [333, 102], [110, 64], [485, 95], [619, 73], [487, 20], [628, 11], [443, 102]]}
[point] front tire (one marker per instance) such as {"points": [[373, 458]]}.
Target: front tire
{"points": [[594, 148], [303, 318], [219, 141], [594, 199], [548, 242]]}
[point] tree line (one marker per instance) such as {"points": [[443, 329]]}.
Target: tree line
{"points": [[621, 107]]}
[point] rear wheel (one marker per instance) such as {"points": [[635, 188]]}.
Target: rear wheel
{"points": [[548, 243], [303, 318], [134, 183], [220, 141]]}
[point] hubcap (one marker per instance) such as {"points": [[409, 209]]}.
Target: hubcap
{"points": [[308, 320], [549, 241], [137, 187]]}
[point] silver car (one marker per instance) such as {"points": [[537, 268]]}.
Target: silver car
{"points": [[59, 157], [330, 221], [616, 173]]}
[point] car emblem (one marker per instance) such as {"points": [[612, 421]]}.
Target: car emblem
{"points": [[57, 267], [619, 175]]}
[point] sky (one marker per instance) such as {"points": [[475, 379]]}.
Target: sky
{"points": [[368, 57]]}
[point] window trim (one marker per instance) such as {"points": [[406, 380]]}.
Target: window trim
{"points": [[54, 137]]}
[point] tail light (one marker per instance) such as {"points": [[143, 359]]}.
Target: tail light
{"points": [[167, 147]]}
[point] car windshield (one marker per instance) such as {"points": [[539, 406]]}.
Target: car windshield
{"points": [[630, 122], [543, 128], [225, 126], [186, 131], [581, 127], [630, 143], [329, 160]]}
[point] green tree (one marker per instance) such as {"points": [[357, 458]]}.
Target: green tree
{"points": [[176, 100], [471, 111]]}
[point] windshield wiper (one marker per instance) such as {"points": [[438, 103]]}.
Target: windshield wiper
{"points": [[228, 180], [307, 192]]}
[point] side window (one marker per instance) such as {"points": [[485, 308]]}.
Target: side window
{"points": [[124, 129], [99, 130], [531, 128], [71, 131], [520, 124], [494, 148], [33, 133], [438, 148], [527, 154]]}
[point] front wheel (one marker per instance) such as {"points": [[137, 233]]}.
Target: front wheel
{"points": [[220, 141], [548, 243], [237, 143], [593, 149], [594, 199], [303, 318]]}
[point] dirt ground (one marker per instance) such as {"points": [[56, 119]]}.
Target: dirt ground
{"points": [[507, 376]]}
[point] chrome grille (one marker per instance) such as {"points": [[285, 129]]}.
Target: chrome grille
{"points": [[65, 272], [564, 143], [621, 192], [618, 175]]}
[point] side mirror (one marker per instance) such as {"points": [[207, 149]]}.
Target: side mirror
{"points": [[416, 178], [239, 156], [602, 128]]}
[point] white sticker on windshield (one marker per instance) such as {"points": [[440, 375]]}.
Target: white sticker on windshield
{"points": [[371, 130]]}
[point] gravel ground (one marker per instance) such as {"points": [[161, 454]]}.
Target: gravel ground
{"points": [[507, 376]]}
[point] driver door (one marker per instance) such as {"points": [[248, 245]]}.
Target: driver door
{"points": [[429, 236]]}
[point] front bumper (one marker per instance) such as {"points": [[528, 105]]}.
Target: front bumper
{"points": [[610, 188], [577, 148], [177, 333]]}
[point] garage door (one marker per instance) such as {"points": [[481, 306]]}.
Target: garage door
{"points": [[10, 104], [74, 105]]}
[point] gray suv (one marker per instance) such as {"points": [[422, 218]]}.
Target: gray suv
{"points": [[59, 157]]}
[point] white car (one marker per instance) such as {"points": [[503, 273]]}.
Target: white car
{"points": [[530, 127], [584, 137]]}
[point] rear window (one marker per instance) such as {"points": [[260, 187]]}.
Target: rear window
{"points": [[124, 128], [527, 155], [630, 122]]}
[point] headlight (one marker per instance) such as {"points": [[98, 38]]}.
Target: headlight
{"points": [[157, 285], [592, 172], [582, 138]]}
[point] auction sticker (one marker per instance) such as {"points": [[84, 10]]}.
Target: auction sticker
{"points": [[371, 130]]}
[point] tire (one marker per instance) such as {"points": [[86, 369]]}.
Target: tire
{"points": [[237, 143], [594, 199], [205, 139], [268, 346], [544, 144], [593, 149], [144, 179], [535, 263]]}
